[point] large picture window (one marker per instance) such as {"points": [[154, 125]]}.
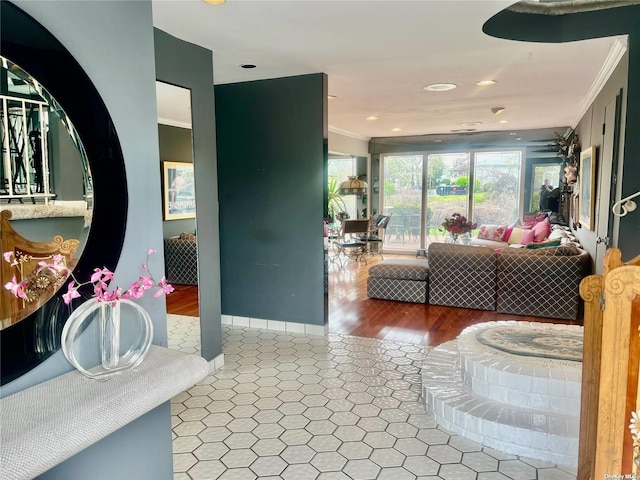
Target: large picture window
{"points": [[421, 190]]}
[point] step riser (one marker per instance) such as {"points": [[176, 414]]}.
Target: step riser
{"points": [[514, 415]]}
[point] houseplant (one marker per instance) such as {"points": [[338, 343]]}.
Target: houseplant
{"points": [[457, 225]]}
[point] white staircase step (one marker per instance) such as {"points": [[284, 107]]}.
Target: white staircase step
{"points": [[550, 385], [532, 433]]}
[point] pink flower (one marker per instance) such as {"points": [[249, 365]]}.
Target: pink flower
{"points": [[100, 279], [164, 287], [16, 287], [72, 292]]}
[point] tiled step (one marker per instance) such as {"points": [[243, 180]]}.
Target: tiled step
{"points": [[528, 382], [547, 436]]}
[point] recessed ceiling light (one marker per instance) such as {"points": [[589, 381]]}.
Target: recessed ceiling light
{"points": [[497, 110], [437, 140], [471, 124], [512, 133], [503, 121], [247, 65], [396, 129], [440, 87], [518, 138], [372, 118], [331, 97], [214, 2], [486, 83]]}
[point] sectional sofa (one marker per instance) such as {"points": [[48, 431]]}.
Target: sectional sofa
{"points": [[536, 282]]}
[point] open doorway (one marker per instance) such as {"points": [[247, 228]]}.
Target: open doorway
{"points": [[179, 215]]}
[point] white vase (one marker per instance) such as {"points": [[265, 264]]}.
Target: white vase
{"points": [[115, 356], [466, 239]]}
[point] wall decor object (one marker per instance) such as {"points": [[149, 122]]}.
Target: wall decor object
{"points": [[179, 195], [29, 45], [587, 187]]}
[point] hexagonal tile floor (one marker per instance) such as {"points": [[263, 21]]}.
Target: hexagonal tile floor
{"points": [[296, 407]]}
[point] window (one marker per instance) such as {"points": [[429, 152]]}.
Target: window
{"points": [[421, 190]]}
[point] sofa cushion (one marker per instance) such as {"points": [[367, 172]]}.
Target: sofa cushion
{"points": [[541, 230], [402, 269]]}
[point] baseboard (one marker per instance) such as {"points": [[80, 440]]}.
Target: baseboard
{"points": [[276, 325], [216, 364]]}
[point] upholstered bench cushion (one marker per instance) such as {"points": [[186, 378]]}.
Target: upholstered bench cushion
{"points": [[404, 280], [401, 269]]}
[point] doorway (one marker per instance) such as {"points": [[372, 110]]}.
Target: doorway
{"points": [[179, 224]]}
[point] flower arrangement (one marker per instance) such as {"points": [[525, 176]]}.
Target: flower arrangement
{"points": [[55, 272], [457, 225]]}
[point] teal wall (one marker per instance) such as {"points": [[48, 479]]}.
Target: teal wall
{"points": [[272, 152], [113, 42], [190, 66]]}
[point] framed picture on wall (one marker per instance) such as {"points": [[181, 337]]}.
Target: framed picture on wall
{"points": [[179, 194], [587, 188]]}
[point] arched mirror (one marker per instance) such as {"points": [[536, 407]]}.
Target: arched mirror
{"points": [[60, 153]]}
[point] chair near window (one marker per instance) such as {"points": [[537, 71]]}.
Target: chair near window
{"points": [[375, 235], [348, 245]]}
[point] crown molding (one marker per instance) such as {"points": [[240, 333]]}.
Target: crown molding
{"points": [[611, 62], [348, 134], [173, 123]]}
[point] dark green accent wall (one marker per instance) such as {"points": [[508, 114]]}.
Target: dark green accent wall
{"points": [[190, 66], [271, 172]]}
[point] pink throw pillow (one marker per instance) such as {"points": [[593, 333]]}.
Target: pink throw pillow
{"points": [[541, 231], [507, 234], [516, 235], [492, 232], [527, 237]]}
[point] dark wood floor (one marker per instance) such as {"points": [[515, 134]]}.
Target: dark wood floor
{"points": [[351, 312]]}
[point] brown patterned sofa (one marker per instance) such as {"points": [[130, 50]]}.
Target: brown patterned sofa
{"points": [[462, 276], [537, 282], [181, 259], [542, 283]]}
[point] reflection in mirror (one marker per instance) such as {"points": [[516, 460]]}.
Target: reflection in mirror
{"points": [[45, 189]]}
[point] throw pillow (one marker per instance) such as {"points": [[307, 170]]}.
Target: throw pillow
{"points": [[188, 236], [549, 243], [561, 251], [492, 232], [520, 236], [541, 231]]}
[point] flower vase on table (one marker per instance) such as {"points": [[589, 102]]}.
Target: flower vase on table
{"points": [[458, 227], [121, 341]]}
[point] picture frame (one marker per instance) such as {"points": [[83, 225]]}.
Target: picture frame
{"points": [[587, 188], [178, 192]]}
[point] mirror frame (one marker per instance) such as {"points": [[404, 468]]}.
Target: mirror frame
{"points": [[27, 43]]}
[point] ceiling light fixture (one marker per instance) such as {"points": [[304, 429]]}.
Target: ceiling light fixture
{"points": [[440, 87], [503, 121], [372, 118], [497, 110], [352, 186], [214, 2], [437, 140], [396, 129], [247, 65], [512, 133], [331, 97], [486, 83]]}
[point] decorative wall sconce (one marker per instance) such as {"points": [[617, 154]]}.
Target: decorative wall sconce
{"points": [[625, 205]]}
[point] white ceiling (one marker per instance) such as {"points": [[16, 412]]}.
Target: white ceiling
{"points": [[379, 55]]}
